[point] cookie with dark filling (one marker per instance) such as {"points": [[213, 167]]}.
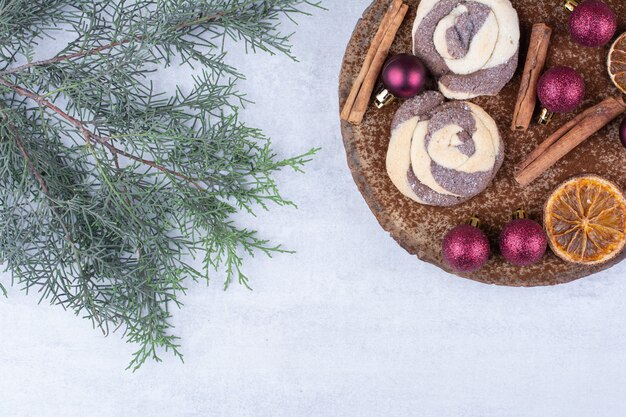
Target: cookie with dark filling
{"points": [[443, 153], [471, 47]]}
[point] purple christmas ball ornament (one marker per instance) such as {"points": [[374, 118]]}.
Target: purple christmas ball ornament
{"points": [[466, 248], [592, 23], [561, 89], [523, 241], [622, 132], [404, 75]]}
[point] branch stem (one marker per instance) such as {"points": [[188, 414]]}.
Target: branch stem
{"points": [[89, 302], [102, 48], [92, 137]]}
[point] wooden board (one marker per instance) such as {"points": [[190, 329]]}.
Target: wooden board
{"points": [[419, 229]]}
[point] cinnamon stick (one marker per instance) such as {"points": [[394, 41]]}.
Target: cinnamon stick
{"points": [[392, 11], [365, 93], [568, 137], [535, 61]]}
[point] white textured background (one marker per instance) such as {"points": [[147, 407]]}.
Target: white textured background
{"points": [[350, 326]]}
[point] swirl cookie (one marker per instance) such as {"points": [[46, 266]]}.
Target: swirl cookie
{"points": [[471, 47], [442, 153]]}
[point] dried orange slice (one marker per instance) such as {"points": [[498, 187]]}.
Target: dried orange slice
{"points": [[585, 220], [616, 62]]}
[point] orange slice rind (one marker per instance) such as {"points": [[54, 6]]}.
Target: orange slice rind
{"points": [[616, 62], [585, 220]]}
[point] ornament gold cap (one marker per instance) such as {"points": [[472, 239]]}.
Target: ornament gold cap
{"points": [[383, 98], [520, 213], [570, 5], [474, 221], [545, 116]]}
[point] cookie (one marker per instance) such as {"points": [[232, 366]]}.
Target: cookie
{"points": [[471, 47], [442, 153]]}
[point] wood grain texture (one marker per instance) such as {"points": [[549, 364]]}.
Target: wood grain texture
{"points": [[419, 229]]}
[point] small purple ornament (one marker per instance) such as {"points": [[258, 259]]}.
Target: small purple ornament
{"points": [[592, 23], [404, 75], [523, 242], [622, 132], [561, 89], [466, 248]]}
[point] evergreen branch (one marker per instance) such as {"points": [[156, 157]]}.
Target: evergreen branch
{"points": [[67, 57], [87, 299], [26, 156], [92, 137], [100, 49], [108, 186]]}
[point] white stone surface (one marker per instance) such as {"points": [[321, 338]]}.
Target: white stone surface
{"points": [[349, 326]]}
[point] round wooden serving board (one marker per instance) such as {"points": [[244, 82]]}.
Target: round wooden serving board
{"points": [[419, 229]]}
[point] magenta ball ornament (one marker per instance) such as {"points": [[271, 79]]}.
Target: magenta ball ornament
{"points": [[592, 23], [465, 248], [523, 242], [404, 75], [561, 89], [622, 132]]}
